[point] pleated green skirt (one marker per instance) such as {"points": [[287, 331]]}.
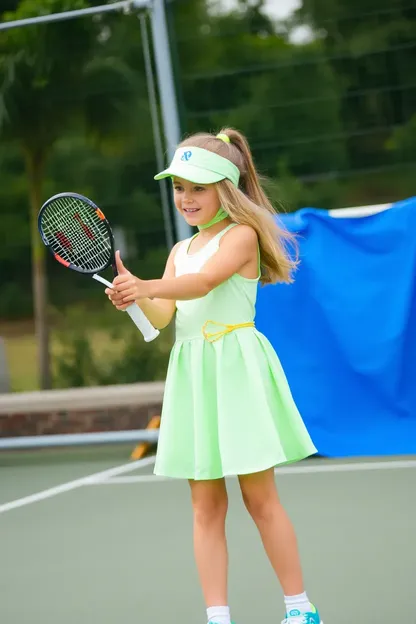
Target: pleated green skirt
{"points": [[228, 410]]}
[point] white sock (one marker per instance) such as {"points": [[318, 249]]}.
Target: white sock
{"points": [[218, 615], [297, 603]]}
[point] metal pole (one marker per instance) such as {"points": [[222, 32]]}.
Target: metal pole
{"points": [[79, 439], [4, 368], [57, 17], [167, 94], [170, 241]]}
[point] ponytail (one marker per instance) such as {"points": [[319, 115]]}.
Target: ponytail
{"points": [[249, 204], [250, 179]]}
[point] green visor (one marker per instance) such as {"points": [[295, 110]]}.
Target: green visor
{"points": [[200, 166]]}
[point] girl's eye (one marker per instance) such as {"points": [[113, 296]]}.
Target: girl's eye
{"points": [[177, 188], [200, 188]]}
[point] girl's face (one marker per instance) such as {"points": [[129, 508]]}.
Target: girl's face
{"points": [[198, 203]]}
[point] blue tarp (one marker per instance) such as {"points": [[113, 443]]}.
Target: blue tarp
{"points": [[345, 330]]}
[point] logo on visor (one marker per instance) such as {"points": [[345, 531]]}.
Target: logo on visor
{"points": [[186, 156]]}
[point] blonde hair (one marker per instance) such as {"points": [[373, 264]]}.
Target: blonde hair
{"points": [[249, 205]]}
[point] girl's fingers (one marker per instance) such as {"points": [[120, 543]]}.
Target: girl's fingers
{"points": [[130, 297], [122, 300], [117, 297], [132, 292], [125, 286]]}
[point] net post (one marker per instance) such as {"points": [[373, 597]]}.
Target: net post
{"points": [[168, 99]]}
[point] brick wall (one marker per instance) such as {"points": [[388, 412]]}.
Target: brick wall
{"points": [[80, 410]]}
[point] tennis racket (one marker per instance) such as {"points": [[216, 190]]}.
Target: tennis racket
{"points": [[79, 236]]}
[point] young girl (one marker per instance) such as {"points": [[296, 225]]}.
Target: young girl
{"points": [[228, 409]]}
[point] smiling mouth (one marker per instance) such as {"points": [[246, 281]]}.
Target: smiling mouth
{"points": [[191, 210]]}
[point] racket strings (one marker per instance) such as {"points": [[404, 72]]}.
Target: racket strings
{"points": [[76, 233]]}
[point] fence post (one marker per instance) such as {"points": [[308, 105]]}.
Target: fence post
{"points": [[4, 369]]}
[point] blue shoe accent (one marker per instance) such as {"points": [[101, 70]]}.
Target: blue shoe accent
{"points": [[296, 617]]}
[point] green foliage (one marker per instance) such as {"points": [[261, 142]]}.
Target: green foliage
{"points": [[101, 355], [403, 141], [370, 47], [67, 114], [34, 68]]}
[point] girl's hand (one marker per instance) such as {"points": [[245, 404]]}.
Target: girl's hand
{"points": [[126, 287], [116, 299]]}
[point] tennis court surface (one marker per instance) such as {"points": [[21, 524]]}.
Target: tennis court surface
{"points": [[88, 536]]}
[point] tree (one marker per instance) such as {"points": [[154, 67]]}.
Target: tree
{"points": [[370, 46], [237, 69], [48, 75]]}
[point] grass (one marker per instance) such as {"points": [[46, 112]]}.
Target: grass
{"points": [[21, 344], [21, 356]]}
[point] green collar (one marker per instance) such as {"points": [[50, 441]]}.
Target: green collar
{"points": [[220, 216]]}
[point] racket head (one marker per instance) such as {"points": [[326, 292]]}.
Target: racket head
{"points": [[77, 233]]}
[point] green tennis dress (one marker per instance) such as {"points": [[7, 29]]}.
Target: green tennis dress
{"points": [[228, 408]]}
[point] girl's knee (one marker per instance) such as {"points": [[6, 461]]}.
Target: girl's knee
{"points": [[260, 496], [209, 504], [260, 508]]}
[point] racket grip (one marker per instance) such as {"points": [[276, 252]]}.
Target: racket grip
{"points": [[142, 322], [136, 314]]}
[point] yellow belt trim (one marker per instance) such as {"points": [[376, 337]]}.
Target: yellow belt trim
{"points": [[212, 337]]}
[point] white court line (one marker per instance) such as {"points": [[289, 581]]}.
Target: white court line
{"points": [[105, 477], [288, 470], [97, 477]]}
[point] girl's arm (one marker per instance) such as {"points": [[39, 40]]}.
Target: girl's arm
{"points": [[159, 311], [237, 249]]}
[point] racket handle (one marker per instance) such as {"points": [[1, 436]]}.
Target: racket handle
{"points": [[136, 314], [142, 322]]}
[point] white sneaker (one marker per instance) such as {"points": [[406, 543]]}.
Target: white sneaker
{"points": [[296, 617]]}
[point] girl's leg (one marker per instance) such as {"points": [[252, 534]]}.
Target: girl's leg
{"points": [[210, 503], [277, 533]]}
